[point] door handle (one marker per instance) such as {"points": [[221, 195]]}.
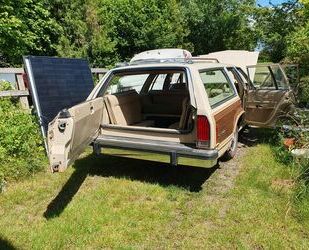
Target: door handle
{"points": [[91, 110]]}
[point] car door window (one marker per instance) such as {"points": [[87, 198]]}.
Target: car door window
{"points": [[262, 77], [292, 73], [279, 76], [268, 77], [219, 89]]}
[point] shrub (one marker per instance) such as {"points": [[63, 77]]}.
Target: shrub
{"points": [[301, 135], [21, 150], [304, 91]]}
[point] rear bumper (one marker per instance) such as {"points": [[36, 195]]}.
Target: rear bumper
{"points": [[167, 152]]}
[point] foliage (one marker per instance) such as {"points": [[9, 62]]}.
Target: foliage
{"points": [[298, 51], [300, 134], [273, 26], [219, 25], [26, 27], [107, 31], [21, 151]]}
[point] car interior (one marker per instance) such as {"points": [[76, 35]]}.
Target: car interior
{"points": [[154, 99]]}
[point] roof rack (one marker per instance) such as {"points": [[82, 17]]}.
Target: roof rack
{"points": [[175, 60], [205, 59]]}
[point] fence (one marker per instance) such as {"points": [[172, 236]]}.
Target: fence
{"points": [[21, 92]]}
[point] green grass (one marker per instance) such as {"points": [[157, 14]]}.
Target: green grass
{"points": [[109, 202]]}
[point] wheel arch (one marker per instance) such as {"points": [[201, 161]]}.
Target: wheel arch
{"points": [[240, 120]]}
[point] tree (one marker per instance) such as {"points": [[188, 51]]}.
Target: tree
{"points": [[298, 41], [106, 31], [219, 25], [273, 25], [26, 27], [298, 50]]}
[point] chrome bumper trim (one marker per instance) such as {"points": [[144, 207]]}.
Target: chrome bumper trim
{"points": [[167, 152]]}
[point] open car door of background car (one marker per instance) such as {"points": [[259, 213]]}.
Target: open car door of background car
{"points": [[269, 96], [71, 131]]}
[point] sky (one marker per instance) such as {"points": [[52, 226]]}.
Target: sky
{"points": [[266, 2]]}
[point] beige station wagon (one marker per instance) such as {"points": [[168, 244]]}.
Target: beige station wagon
{"points": [[180, 110]]}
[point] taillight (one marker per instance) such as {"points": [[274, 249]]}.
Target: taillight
{"points": [[203, 132]]}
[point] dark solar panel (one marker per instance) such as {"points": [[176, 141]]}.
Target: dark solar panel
{"points": [[59, 83]]}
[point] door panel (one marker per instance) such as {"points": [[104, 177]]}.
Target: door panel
{"points": [[263, 107], [70, 132]]}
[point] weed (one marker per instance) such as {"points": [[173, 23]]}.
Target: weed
{"points": [[21, 150]]}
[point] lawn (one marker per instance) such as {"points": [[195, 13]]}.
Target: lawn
{"points": [[109, 202]]}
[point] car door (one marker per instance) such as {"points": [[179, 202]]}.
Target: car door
{"points": [[268, 97], [238, 80], [71, 131]]}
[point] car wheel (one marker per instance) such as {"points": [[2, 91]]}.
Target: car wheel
{"points": [[231, 152]]}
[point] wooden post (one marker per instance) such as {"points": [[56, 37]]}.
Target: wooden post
{"points": [[21, 86]]}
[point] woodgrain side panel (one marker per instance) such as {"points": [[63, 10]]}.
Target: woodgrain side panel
{"points": [[225, 120]]}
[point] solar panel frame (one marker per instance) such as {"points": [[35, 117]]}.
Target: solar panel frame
{"points": [[55, 84]]}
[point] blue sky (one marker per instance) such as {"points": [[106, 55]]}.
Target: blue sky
{"points": [[266, 2]]}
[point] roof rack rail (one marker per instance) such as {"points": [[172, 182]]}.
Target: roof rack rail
{"points": [[205, 59], [174, 60], [159, 60]]}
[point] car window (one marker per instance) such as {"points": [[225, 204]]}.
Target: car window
{"points": [[158, 82], [243, 76], [217, 85], [262, 77], [122, 83], [177, 82], [279, 77], [171, 81], [292, 73], [236, 79], [268, 77]]}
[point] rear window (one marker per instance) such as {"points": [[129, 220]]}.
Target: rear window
{"points": [[218, 87], [147, 80], [122, 83]]}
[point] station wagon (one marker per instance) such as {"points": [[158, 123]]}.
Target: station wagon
{"points": [[168, 106]]}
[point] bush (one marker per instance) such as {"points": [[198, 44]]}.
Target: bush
{"points": [[301, 135], [304, 91], [21, 150]]}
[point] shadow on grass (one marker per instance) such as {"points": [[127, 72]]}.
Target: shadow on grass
{"points": [[6, 245], [250, 137], [189, 178]]}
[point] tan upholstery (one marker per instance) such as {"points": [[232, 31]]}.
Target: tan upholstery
{"points": [[164, 102], [125, 109], [184, 116], [145, 123]]}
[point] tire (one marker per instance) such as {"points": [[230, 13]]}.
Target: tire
{"points": [[231, 152]]}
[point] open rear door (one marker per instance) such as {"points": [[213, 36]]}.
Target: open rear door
{"points": [[71, 131], [269, 96]]}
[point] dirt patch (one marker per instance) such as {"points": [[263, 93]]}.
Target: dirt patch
{"points": [[283, 184], [223, 180]]}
